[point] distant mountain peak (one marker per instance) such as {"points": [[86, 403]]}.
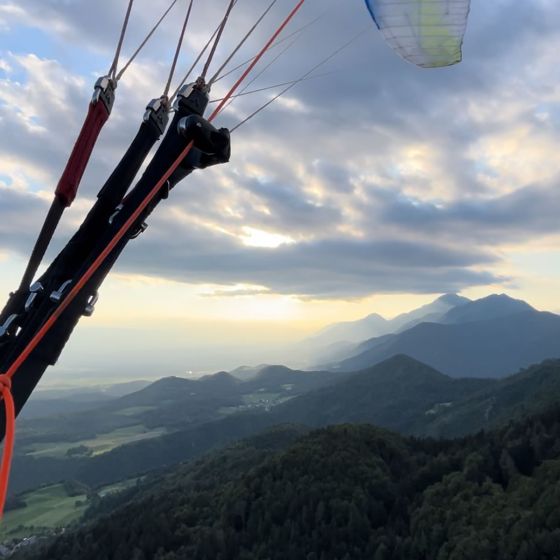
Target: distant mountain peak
{"points": [[403, 364], [245, 373], [489, 337], [220, 378], [273, 370], [453, 299], [503, 298], [375, 316], [489, 307], [170, 381]]}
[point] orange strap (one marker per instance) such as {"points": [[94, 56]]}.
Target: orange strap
{"points": [[6, 393]]}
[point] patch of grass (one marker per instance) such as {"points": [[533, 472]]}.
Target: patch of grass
{"points": [[118, 486], [48, 507], [50, 449], [134, 410], [256, 398], [100, 444]]}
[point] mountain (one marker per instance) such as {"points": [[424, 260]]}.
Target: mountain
{"points": [[274, 379], [245, 373], [348, 492], [38, 408], [392, 394], [376, 325], [431, 312], [167, 405], [528, 392], [47, 402], [410, 397], [401, 394], [503, 341], [490, 307], [351, 331], [168, 389], [338, 341]]}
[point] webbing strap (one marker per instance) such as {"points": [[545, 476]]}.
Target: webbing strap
{"points": [[41, 245], [69, 182], [67, 187]]}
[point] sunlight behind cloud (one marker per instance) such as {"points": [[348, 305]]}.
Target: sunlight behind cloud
{"points": [[258, 238], [514, 157]]}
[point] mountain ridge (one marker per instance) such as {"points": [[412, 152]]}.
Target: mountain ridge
{"points": [[495, 346]]}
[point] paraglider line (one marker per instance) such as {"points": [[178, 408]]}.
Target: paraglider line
{"points": [[113, 70], [241, 43], [218, 38], [259, 74], [144, 42], [306, 76], [276, 44], [268, 88], [200, 55], [178, 50]]}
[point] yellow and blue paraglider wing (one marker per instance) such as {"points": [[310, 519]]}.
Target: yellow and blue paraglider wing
{"points": [[428, 33]]}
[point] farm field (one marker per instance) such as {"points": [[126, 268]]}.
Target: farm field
{"points": [[48, 507], [98, 445]]}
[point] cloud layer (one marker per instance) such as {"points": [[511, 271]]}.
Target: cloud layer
{"points": [[379, 177]]}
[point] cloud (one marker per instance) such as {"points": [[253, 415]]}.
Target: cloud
{"points": [[340, 267], [385, 178]]}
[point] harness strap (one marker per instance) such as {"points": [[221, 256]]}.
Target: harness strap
{"points": [[98, 114]]}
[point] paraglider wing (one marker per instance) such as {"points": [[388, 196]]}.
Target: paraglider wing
{"points": [[428, 33]]}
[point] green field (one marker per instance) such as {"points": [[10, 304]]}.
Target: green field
{"points": [[259, 398], [118, 487], [48, 507], [135, 410], [100, 444]]}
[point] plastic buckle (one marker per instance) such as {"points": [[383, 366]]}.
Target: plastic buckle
{"points": [[6, 326], [56, 296], [193, 98], [141, 229], [90, 305], [35, 290], [183, 93], [157, 113], [104, 91]]}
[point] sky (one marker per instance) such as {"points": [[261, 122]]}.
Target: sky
{"points": [[374, 187]]}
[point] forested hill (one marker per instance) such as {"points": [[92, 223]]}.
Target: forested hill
{"points": [[400, 394], [345, 492]]}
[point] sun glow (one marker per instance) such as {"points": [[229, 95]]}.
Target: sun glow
{"points": [[258, 238]]}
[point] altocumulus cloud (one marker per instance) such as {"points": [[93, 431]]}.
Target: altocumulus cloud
{"points": [[384, 178]]}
